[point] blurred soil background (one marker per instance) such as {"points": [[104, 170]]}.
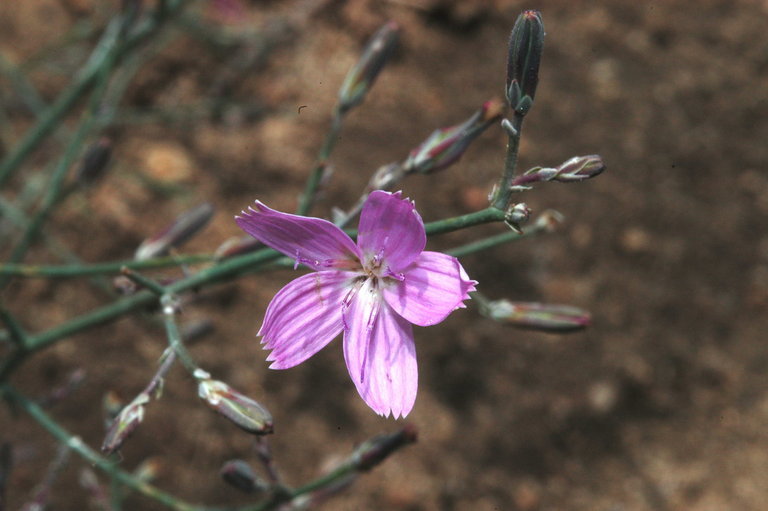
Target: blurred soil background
{"points": [[661, 405]]}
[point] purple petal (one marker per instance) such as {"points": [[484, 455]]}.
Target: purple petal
{"points": [[304, 316], [314, 242], [434, 286], [380, 354], [391, 229]]}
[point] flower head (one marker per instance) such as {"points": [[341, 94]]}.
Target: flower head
{"points": [[371, 291]]}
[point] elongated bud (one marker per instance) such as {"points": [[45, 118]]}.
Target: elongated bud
{"points": [[240, 475], [360, 78], [377, 449], [526, 43], [125, 424], [579, 168], [237, 246], [246, 413], [95, 162], [445, 146], [182, 229], [539, 316]]}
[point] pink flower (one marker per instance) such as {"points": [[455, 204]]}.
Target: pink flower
{"points": [[372, 291]]}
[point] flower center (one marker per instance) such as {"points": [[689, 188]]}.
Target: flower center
{"points": [[375, 268]]}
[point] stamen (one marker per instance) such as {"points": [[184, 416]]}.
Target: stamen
{"points": [[397, 276]]}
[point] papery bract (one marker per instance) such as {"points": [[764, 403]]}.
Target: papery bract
{"points": [[371, 291]]}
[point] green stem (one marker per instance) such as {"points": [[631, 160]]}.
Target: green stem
{"points": [[456, 223], [23, 87], [168, 303], [80, 270], [16, 332], [503, 194], [308, 197], [492, 241]]}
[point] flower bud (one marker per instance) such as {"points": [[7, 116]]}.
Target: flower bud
{"points": [[445, 146], [377, 449], [525, 46], [238, 408], [240, 475], [237, 246], [95, 162], [516, 215], [539, 316], [360, 78], [185, 227], [579, 168], [124, 424]]}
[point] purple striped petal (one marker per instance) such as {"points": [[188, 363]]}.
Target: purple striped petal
{"points": [[304, 316], [434, 286], [314, 242], [380, 354], [391, 229]]}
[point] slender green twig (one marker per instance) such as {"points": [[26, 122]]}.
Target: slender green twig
{"points": [[22, 86], [17, 333], [85, 269], [168, 302], [503, 192], [492, 241], [313, 183]]}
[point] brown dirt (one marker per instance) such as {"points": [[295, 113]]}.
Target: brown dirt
{"points": [[661, 405]]}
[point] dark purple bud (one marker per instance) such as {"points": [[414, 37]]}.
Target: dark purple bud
{"points": [[445, 146], [377, 449], [525, 46], [185, 227], [360, 78], [125, 424], [243, 411], [539, 316], [95, 162], [240, 475]]}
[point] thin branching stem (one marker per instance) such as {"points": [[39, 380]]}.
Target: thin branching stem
{"points": [[503, 194], [316, 176], [85, 269]]}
